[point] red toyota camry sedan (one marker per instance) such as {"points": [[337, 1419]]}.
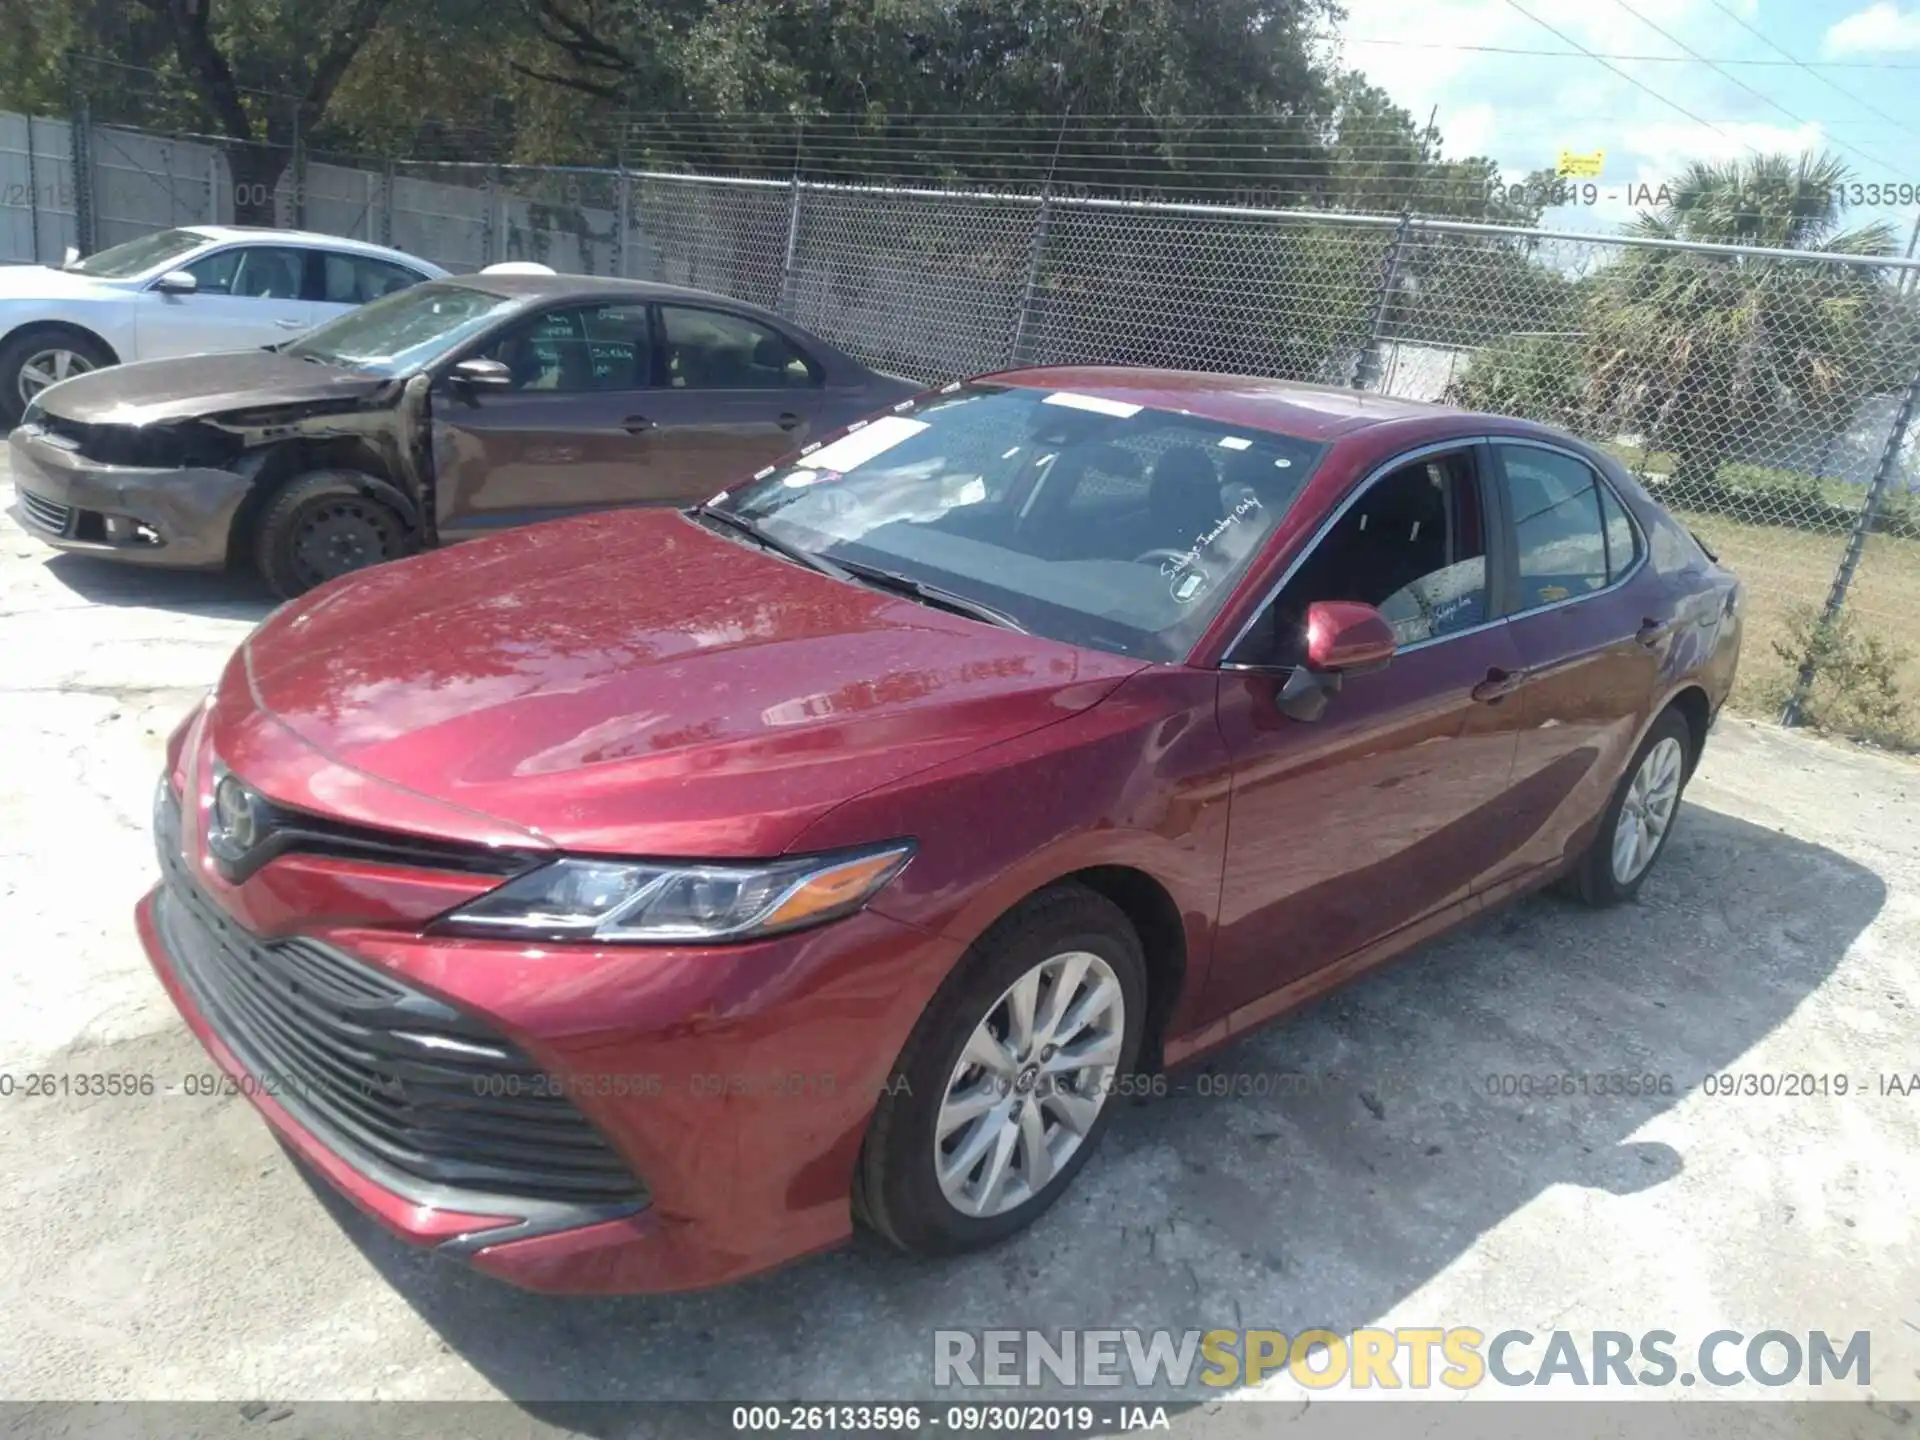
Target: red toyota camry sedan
{"points": [[637, 902]]}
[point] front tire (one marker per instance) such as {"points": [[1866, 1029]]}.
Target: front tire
{"points": [[322, 526], [1007, 1083], [40, 356], [1638, 820]]}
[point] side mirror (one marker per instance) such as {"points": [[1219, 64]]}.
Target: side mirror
{"points": [[176, 282], [1343, 638], [1346, 637], [483, 373], [71, 258]]}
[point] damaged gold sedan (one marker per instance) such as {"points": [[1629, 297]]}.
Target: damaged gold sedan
{"points": [[449, 410]]}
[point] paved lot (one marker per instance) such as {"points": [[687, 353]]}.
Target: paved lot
{"points": [[165, 1248]]}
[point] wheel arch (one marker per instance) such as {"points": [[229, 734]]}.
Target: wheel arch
{"points": [[273, 467], [1696, 708], [1150, 908], [1146, 902], [68, 327]]}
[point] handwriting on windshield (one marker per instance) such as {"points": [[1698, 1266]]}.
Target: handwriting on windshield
{"points": [[1177, 563]]}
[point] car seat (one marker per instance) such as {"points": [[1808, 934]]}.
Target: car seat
{"points": [[269, 275], [1183, 499]]}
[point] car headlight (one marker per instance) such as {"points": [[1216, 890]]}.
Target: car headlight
{"points": [[584, 899]]}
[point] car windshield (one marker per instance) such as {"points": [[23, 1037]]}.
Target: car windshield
{"points": [[399, 333], [136, 257], [1082, 518]]}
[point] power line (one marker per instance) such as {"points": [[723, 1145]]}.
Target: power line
{"points": [[1616, 55], [1803, 65], [1759, 95], [1671, 104]]}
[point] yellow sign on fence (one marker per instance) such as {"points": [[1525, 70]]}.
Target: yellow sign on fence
{"points": [[1581, 167]]}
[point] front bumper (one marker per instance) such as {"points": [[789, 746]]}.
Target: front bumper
{"points": [[734, 1085], [180, 518]]}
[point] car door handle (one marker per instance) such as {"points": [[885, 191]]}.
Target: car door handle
{"points": [[636, 424], [291, 324], [791, 421], [1652, 632], [1498, 685]]}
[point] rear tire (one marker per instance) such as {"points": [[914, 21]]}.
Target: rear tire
{"points": [[321, 526], [1068, 960], [1639, 819], [42, 355]]}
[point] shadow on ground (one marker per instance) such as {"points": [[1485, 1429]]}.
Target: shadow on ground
{"points": [[220, 595], [1322, 1206]]}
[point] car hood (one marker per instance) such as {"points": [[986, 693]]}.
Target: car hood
{"points": [[635, 684], [190, 386], [43, 282]]}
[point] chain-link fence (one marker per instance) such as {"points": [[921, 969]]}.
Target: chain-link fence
{"points": [[1768, 397]]}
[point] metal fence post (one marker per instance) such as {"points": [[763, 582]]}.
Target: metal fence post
{"points": [[386, 206], [80, 149], [33, 191], [299, 174], [489, 189], [1036, 251], [623, 211], [1366, 371], [1856, 545], [622, 201], [784, 302]]}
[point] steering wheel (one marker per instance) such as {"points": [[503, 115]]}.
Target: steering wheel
{"points": [[1162, 553]]}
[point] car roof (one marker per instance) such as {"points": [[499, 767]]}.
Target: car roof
{"points": [[581, 287], [311, 237], [1286, 407]]}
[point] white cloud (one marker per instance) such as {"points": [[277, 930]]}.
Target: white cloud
{"points": [[1881, 28], [1523, 110]]}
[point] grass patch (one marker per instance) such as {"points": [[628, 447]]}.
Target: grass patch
{"points": [[1786, 571]]}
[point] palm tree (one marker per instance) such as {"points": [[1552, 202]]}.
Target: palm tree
{"points": [[1718, 357]]}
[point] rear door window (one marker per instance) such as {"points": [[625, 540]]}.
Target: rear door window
{"points": [[715, 350], [347, 279], [1560, 531]]}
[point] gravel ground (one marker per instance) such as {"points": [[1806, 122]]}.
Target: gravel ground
{"points": [[165, 1248]]}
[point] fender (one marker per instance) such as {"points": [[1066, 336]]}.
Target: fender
{"points": [[1142, 779]]}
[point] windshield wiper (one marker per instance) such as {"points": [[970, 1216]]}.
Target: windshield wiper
{"points": [[743, 526], [931, 595]]}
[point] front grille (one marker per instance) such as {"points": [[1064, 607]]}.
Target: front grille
{"points": [[421, 1097], [46, 514]]}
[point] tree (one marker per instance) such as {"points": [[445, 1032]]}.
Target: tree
{"points": [[300, 48], [1535, 376], [1709, 354], [982, 91]]}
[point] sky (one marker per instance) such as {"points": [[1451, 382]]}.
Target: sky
{"points": [[1860, 96]]}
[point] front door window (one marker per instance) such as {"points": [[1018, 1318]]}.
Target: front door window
{"points": [[1413, 545]]}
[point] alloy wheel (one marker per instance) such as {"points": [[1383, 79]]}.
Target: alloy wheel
{"points": [[50, 367], [1647, 811], [1033, 1078]]}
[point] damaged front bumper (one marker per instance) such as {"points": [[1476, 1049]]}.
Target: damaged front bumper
{"points": [[179, 517]]}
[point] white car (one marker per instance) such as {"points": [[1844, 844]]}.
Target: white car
{"points": [[189, 291]]}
